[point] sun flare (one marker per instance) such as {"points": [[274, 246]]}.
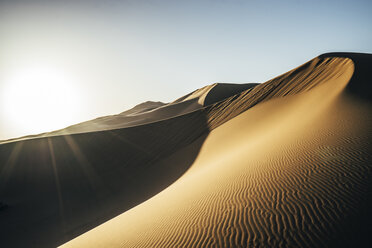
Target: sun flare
{"points": [[39, 99]]}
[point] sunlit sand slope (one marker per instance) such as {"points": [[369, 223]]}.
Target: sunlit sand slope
{"points": [[294, 170]]}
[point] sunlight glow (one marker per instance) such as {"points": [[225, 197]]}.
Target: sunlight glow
{"points": [[39, 99]]}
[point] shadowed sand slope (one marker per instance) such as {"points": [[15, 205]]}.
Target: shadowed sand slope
{"points": [[55, 188], [292, 170]]}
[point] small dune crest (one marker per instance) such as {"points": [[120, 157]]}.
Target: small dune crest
{"points": [[214, 93], [197, 95]]}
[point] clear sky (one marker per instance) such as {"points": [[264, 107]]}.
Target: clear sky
{"points": [[63, 62]]}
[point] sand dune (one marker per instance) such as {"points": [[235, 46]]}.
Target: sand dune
{"points": [[283, 164]]}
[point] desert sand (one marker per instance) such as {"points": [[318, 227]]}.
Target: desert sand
{"points": [[286, 163]]}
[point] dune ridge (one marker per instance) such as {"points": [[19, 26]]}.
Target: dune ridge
{"points": [[261, 181]]}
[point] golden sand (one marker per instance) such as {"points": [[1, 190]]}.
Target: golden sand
{"points": [[282, 164]]}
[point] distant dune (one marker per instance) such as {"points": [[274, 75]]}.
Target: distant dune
{"points": [[286, 163]]}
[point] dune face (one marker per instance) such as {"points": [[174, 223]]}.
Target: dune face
{"points": [[286, 163]]}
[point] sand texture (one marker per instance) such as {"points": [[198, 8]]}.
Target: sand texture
{"points": [[286, 163]]}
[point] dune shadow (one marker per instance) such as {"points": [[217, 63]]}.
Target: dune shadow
{"points": [[56, 188], [360, 88], [360, 83]]}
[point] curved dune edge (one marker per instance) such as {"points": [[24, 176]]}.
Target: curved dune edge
{"points": [[291, 171]]}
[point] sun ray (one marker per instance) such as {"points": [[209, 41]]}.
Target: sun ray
{"points": [[123, 139], [89, 172], [58, 185], [6, 171]]}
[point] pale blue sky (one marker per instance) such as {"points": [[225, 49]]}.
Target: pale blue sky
{"points": [[120, 53]]}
